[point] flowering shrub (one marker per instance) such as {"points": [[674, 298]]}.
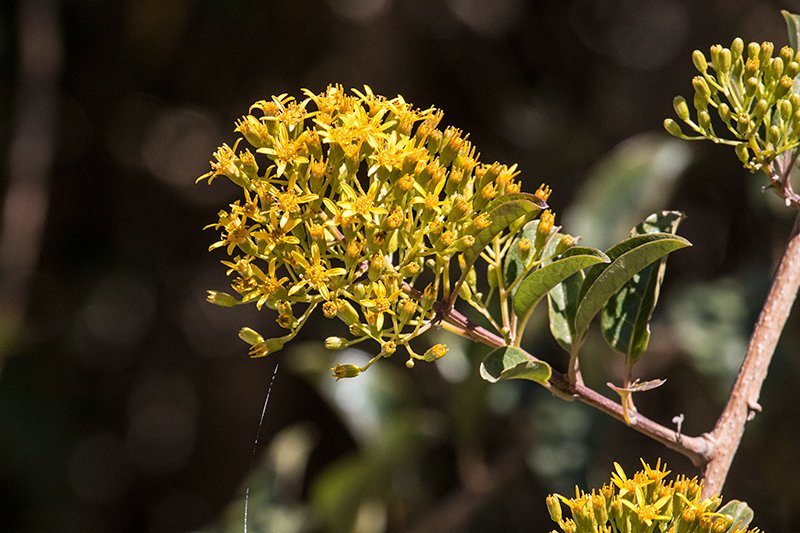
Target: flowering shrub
{"points": [[365, 199]]}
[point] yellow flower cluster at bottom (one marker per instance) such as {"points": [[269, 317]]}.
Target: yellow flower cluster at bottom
{"points": [[642, 504]]}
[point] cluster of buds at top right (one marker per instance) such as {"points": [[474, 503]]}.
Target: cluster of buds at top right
{"points": [[754, 95]]}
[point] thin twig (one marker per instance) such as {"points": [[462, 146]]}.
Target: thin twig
{"points": [[697, 449]]}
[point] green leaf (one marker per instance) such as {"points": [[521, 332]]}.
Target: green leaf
{"points": [[562, 306], [500, 217], [627, 259], [544, 279], [510, 197], [740, 512], [506, 210], [510, 362], [625, 321], [514, 265], [793, 25]]}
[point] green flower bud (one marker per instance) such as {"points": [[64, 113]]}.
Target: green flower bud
{"points": [[266, 347], [792, 69], [524, 249], [785, 108], [786, 54], [491, 274], [742, 153], [250, 336], [672, 128], [765, 53], [681, 108], [704, 526], [742, 123], [700, 102], [222, 299], [336, 343], [345, 371], [784, 86], [774, 135], [720, 59], [751, 86], [796, 122], [358, 330], [567, 241], [725, 60], [346, 312], [737, 47], [600, 511], [761, 109], [701, 87], [704, 121], [753, 49], [428, 298], [435, 352], [795, 100], [775, 68], [724, 112], [554, 508], [699, 61]]}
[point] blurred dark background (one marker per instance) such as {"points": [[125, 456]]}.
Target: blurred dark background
{"points": [[127, 403]]}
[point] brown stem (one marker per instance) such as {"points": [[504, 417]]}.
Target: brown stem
{"points": [[697, 449], [743, 401]]}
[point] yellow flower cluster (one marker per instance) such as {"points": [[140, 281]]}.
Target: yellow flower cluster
{"points": [[646, 503], [348, 200]]}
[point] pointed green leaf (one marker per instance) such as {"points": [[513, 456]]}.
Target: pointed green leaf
{"points": [[627, 258], [510, 362], [512, 197], [513, 263], [542, 280], [506, 210], [740, 512], [562, 306], [625, 321], [500, 217], [793, 25]]}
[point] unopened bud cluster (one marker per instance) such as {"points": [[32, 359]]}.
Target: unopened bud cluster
{"points": [[748, 92], [643, 503], [347, 200]]}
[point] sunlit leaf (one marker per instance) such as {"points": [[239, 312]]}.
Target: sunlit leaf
{"points": [[627, 258], [793, 26], [740, 512], [500, 217], [505, 211], [542, 280], [625, 320], [562, 306], [514, 265], [510, 362]]}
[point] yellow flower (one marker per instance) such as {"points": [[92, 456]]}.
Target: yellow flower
{"points": [[238, 234], [381, 303], [225, 165], [316, 274], [360, 204], [285, 150]]}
